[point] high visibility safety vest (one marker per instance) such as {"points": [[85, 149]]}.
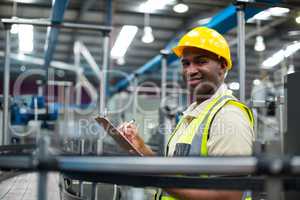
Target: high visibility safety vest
{"points": [[194, 142]]}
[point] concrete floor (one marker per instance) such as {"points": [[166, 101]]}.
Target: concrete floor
{"points": [[24, 187]]}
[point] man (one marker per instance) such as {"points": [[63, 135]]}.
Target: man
{"points": [[215, 124]]}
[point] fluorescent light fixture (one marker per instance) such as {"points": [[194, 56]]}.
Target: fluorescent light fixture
{"points": [[148, 36], [180, 8], [291, 49], [298, 19], [152, 5], [278, 11], [259, 44], [280, 55], [268, 13], [264, 15], [123, 41], [25, 38], [294, 33], [204, 21], [234, 86], [273, 60]]}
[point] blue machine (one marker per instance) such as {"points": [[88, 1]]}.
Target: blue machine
{"points": [[22, 113]]}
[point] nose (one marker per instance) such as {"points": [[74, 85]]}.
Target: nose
{"points": [[191, 70]]}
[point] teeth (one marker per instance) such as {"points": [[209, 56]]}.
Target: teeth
{"points": [[196, 78]]}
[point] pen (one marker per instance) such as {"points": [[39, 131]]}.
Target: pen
{"points": [[131, 121]]}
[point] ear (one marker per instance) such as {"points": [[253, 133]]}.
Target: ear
{"points": [[223, 66]]}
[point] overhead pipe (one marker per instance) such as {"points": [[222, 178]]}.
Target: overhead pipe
{"points": [[58, 10], [222, 22]]}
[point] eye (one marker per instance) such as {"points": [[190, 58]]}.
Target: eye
{"points": [[200, 60], [185, 63]]}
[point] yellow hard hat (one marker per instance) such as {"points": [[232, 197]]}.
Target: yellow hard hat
{"points": [[206, 39]]}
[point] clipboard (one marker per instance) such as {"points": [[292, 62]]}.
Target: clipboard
{"points": [[117, 136]]}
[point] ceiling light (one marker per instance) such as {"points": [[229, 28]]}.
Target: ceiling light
{"points": [[204, 21], [273, 60], [121, 61], [152, 5], [148, 36], [278, 11], [234, 86], [280, 55], [298, 19], [22, 68], [291, 49], [294, 33], [264, 15], [180, 7], [268, 13], [256, 82], [123, 41], [259, 44], [25, 38]]}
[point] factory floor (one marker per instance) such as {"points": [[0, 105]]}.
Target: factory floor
{"points": [[24, 187]]}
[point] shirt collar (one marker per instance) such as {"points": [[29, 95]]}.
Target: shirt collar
{"points": [[194, 109]]}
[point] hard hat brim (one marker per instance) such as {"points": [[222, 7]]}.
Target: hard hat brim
{"points": [[179, 53]]}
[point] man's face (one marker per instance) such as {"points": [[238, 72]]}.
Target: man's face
{"points": [[203, 71]]}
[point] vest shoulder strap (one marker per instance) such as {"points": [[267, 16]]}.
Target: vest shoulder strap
{"points": [[247, 111]]}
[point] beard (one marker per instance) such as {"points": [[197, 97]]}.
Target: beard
{"points": [[203, 90]]}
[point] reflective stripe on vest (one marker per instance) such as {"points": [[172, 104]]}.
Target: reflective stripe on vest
{"points": [[196, 124], [194, 142]]}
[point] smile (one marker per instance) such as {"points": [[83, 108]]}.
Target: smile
{"points": [[195, 81]]}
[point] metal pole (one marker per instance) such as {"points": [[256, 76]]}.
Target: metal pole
{"points": [[43, 175], [280, 103], [6, 80], [241, 49], [135, 96], [164, 60], [99, 151], [39, 22], [274, 188], [81, 186], [104, 75], [78, 73], [166, 122]]}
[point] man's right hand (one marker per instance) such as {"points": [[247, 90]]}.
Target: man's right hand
{"points": [[130, 131]]}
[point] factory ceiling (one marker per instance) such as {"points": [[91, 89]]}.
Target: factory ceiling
{"points": [[278, 32]]}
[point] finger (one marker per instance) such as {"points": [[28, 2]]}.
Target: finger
{"points": [[126, 126], [123, 128], [131, 125]]}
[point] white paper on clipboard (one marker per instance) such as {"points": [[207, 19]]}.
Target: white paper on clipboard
{"points": [[117, 136]]}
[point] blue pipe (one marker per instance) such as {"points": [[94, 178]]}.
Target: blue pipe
{"points": [[222, 22], [58, 10]]}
